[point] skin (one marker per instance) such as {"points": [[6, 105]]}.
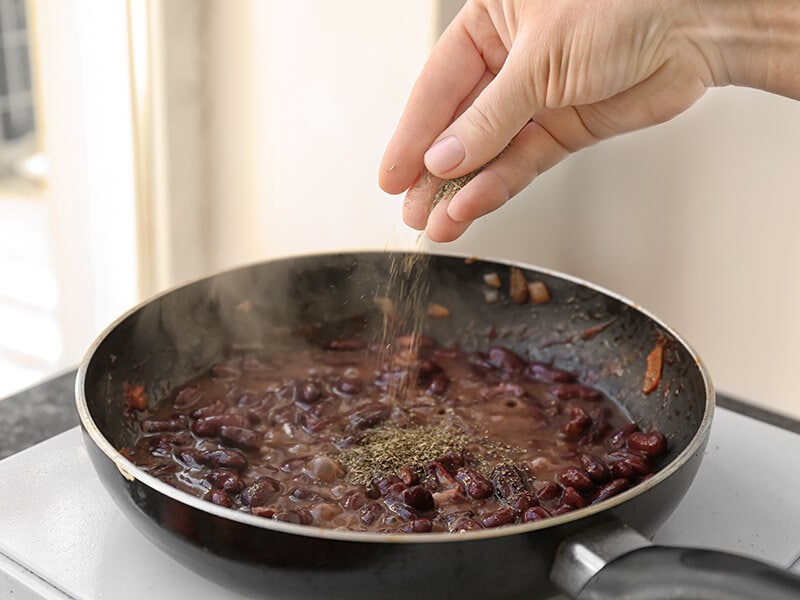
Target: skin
{"points": [[522, 84]]}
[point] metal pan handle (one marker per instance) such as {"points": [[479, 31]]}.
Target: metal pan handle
{"points": [[615, 562]]}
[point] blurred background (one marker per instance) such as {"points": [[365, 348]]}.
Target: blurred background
{"points": [[147, 142]]}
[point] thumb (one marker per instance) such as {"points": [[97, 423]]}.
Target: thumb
{"points": [[487, 125]]}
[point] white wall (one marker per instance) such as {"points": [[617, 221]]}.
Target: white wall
{"points": [[696, 220], [305, 96]]}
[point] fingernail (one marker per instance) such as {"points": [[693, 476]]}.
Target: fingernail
{"points": [[444, 155]]}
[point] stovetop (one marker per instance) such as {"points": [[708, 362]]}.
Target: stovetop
{"points": [[62, 537]]}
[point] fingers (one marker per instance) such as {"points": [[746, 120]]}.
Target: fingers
{"points": [[450, 75], [487, 125], [532, 152]]}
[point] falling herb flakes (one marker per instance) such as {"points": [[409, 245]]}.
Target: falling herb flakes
{"points": [[385, 450]]}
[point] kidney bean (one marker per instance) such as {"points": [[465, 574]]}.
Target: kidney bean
{"points": [[261, 492], [539, 371], [348, 386], [241, 437], [504, 359], [637, 463], [579, 422], [227, 480], [652, 444], [475, 485], [368, 416], [501, 516], [419, 498], [353, 500], [562, 509], [220, 498], [595, 468], [549, 491], [370, 513], [395, 492], [438, 473], [307, 495], [186, 397], [508, 481], [535, 513], [325, 469], [210, 426], [522, 502], [622, 469], [573, 477], [438, 384], [612, 488], [298, 516], [620, 436], [309, 392], [463, 523], [223, 457], [385, 483], [408, 476], [215, 408], [417, 526], [284, 414], [571, 391], [191, 457], [572, 497], [266, 512], [350, 345]]}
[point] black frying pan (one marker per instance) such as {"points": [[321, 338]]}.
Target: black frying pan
{"points": [[172, 337]]}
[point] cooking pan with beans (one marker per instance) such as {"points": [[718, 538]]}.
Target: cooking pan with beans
{"points": [[403, 425]]}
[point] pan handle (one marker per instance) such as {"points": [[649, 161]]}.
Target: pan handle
{"points": [[612, 561]]}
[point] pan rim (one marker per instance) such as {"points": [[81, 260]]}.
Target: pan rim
{"points": [[131, 472]]}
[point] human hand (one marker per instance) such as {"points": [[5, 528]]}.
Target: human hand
{"points": [[537, 80]]}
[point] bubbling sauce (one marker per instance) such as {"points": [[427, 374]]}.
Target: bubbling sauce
{"points": [[319, 437]]}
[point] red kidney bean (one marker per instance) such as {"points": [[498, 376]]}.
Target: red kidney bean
{"points": [[535, 513], [573, 498], [408, 476], [438, 384], [475, 485], [227, 480], [463, 523], [522, 502], [241, 437], [612, 488], [299, 516], [501, 516], [620, 436], [163, 425], [595, 468], [438, 473], [652, 444], [417, 526], [348, 386], [215, 408], [579, 422], [549, 491], [186, 397], [370, 513], [191, 457], [309, 392], [353, 500], [508, 481], [539, 371], [261, 492], [573, 477], [504, 359], [639, 464], [307, 495], [368, 416], [622, 469], [562, 509], [219, 497], [224, 458], [419, 498], [385, 484], [570, 391], [210, 426]]}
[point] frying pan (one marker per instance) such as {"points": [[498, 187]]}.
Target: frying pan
{"points": [[601, 551]]}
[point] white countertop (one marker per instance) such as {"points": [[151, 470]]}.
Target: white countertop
{"points": [[62, 537]]}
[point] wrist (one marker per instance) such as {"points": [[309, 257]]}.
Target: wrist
{"points": [[752, 43]]}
